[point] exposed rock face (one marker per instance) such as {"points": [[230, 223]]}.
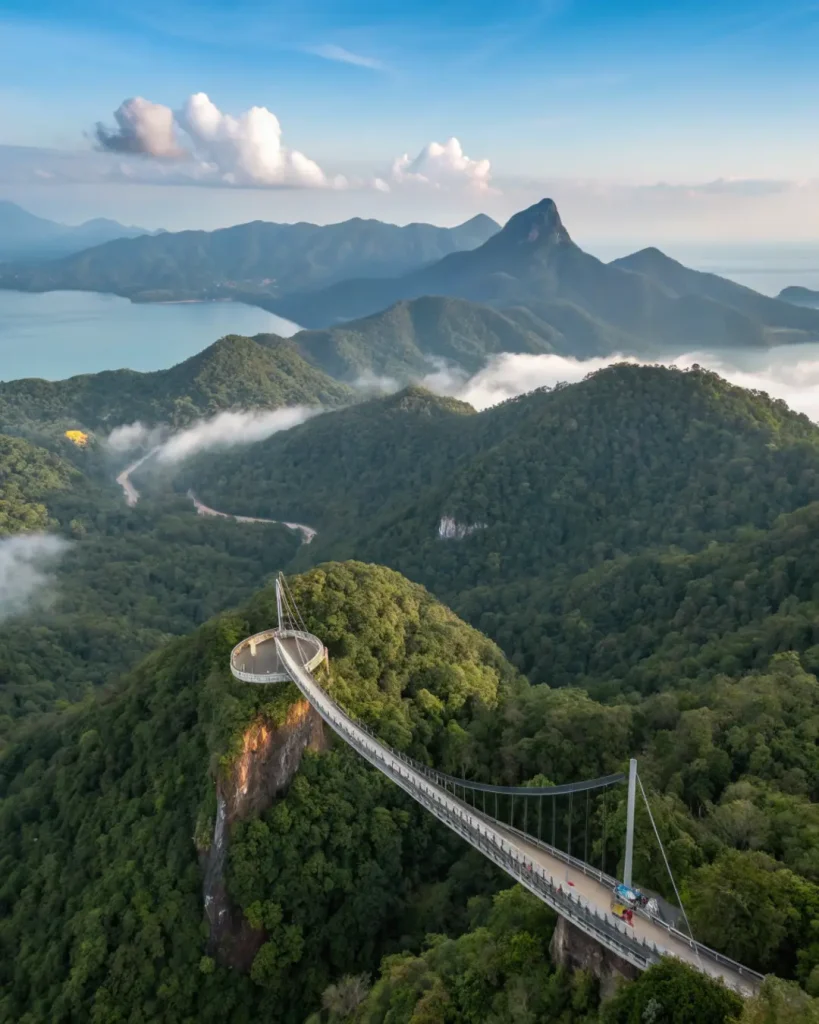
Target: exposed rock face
{"points": [[451, 529], [570, 947], [270, 758]]}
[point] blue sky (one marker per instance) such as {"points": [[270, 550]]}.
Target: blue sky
{"points": [[628, 112]]}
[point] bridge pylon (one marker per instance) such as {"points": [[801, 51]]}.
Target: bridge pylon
{"points": [[632, 799]]}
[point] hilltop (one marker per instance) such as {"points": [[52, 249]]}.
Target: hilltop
{"points": [[248, 261], [232, 373], [114, 806]]}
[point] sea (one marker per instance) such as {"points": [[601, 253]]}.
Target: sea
{"points": [[61, 334]]}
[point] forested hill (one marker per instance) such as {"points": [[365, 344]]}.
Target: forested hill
{"points": [[361, 461], [532, 262], [644, 462], [259, 259], [405, 341], [633, 456], [107, 814], [101, 892], [402, 341], [29, 476], [233, 373]]}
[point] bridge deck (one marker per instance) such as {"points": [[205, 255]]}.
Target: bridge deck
{"points": [[585, 889]]}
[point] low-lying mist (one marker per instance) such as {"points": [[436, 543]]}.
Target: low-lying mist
{"points": [[790, 374], [225, 430], [27, 561]]}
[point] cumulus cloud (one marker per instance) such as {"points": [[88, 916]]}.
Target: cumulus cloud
{"points": [[442, 166], [142, 127], [779, 373], [246, 150], [26, 564], [228, 429]]}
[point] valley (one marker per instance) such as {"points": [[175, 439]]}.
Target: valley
{"points": [[529, 593]]}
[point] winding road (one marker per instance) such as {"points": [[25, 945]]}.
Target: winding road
{"points": [[132, 497]]}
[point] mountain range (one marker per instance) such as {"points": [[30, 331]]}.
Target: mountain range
{"points": [[648, 298], [391, 296], [249, 261], [24, 236]]}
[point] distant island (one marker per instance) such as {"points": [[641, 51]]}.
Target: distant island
{"points": [[799, 296]]}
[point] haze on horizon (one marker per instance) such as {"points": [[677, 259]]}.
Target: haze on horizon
{"points": [[691, 124]]}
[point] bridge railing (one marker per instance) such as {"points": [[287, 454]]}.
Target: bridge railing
{"points": [[466, 821], [697, 948], [460, 819]]}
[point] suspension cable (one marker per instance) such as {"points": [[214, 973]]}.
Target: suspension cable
{"points": [[668, 866]]}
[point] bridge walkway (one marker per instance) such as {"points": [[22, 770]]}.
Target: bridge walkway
{"points": [[575, 890]]}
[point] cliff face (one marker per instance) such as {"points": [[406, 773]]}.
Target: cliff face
{"points": [[269, 759], [572, 948]]}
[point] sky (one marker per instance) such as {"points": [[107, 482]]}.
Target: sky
{"points": [[645, 121]]}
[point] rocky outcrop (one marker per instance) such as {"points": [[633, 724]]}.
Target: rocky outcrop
{"points": [[571, 947], [451, 529], [269, 759]]}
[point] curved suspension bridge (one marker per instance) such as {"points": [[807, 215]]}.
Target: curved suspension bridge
{"points": [[576, 890]]}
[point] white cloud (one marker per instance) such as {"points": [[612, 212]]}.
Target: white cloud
{"points": [[26, 561], [228, 429], [131, 436], [143, 127], [246, 150], [442, 166], [337, 53], [780, 373]]}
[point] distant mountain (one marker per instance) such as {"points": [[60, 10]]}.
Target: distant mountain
{"points": [[681, 281], [233, 373], [24, 236], [799, 296], [533, 263], [250, 260], [401, 341]]}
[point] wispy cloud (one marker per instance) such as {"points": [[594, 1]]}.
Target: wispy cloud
{"points": [[329, 51]]}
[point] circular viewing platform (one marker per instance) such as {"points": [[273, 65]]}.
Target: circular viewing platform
{"points": [[257, 660]]}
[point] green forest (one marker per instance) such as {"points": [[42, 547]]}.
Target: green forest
{"points": [[638, 582], [232, 373]]}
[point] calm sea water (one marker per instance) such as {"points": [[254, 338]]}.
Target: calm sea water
{"points": [[60, 334]]}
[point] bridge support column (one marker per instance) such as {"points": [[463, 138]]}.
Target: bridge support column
{"points": [[570, 947], [632, 798], [279, 604]]}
